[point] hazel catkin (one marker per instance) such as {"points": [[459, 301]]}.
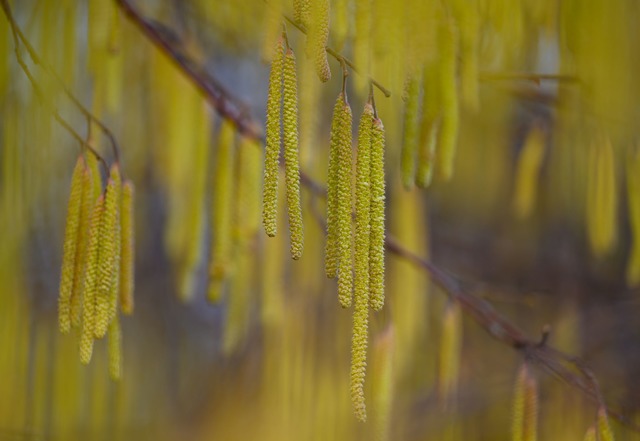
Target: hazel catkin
{"points": [[127, 252], [525, 407], [376, 250], [318, 37], [410, 141]]}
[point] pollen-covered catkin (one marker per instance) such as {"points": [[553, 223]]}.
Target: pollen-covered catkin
{"points": [[291, 159], [376, 251], [363, 204], [90, 283], [318, 37], [222, 216], [344, 199], [272, 150], [449, 92], [127, 258], [604, 429], [525, 407], [108, 260], [88, 201], [69, 254], [410, 141], [331, 250], [301, 11], [115, 349], [272, 28]]}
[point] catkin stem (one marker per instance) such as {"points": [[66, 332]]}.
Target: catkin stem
{"points": [[291, 159]]}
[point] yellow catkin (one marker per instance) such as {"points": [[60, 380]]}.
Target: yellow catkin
{"points": [[362, 44], [410, 141], [604, 429], [340, 23], [127, 249], [525, 407], [449, 93], [109, 255], [430, 125], [468, 18], [382, 379], [318, 37], [272, 150], [344, 208], [301, 11], [115, 349], [376, 251], [528, 172], [633, 202], [272, 28], [69, 253], [450, 351], [291, 157], [90, 283], [590, 435], [363, 204], [602, 199], [337, 132], [222, 216], [96, 177]]}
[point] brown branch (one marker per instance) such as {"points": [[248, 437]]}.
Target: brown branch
{"points": [[563, 366]]}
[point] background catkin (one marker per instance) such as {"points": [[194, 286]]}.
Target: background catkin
{"points": [[318, 37], [331, 249], [69, 253], [528, 172], [602, 204], [410, 141], [291, 157], [127, 258], [376, 251], [633, 201], [525, 407], [590, 435], [604, 429], [430, 125], [90, 283], [272, 151], [363, 204], [449, 92], [450, 351], [222, 216], [108, 256], [115, 349], [344, 197]]}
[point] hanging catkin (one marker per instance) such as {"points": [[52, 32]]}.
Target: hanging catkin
{"points": [[633, 201], [450, 349], [127, 258], [604, 429], [318, 37], [272, 151], [430, 125], [363, 204], [382, 379], [527, 173], [590, 435], [301, 11], [410, 141], [222, 216], [90, 283], [109, 255], [272, 28], [70, 254], [344, 208], [340, 23], [449, 92], [525, 407], [602, 199], [338, 135], [376, 252], [291, 159], [115, 349]]}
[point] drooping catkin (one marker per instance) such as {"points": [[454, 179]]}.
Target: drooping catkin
{"points": [[127, 253], [340, 23], [410, 141], [96, 177], [115, 349], [383, 382], [90, 282], [338, 135], [430, 125], [70, 246], [590, 435], [449, 93], [602, 199], [525, 407], [109, 255], [272, 150], [272, 28], [363, 204], [222, 216], [604, 429], [450, 351], [633, 201], [527, 173], [302, 11], [344, 208], [291, 157], [362, 43], [318, 37], [88, 201], [376, 251]]}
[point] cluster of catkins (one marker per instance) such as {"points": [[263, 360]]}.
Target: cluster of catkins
{"points": [[98, 257]]}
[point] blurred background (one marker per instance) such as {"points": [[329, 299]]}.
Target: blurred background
{"points": [[538, 219]]}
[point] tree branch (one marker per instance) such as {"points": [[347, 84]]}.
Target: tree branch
{"points": [[566, 367]]}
